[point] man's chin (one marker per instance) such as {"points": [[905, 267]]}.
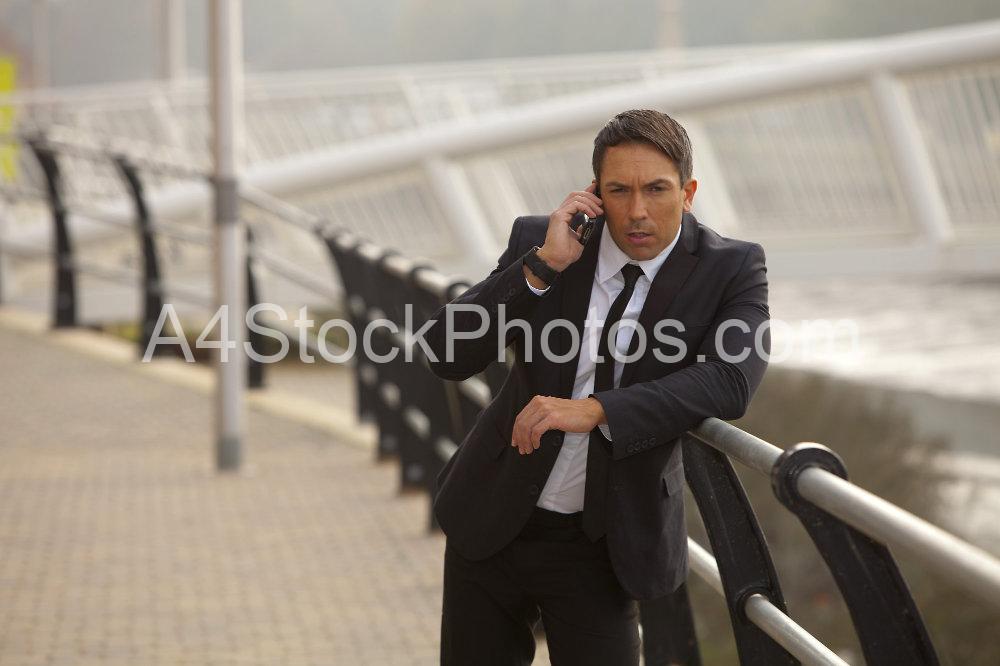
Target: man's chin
{"points": [[644, 252]]}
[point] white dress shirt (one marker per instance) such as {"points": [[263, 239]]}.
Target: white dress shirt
{"points": [[564, 488]]}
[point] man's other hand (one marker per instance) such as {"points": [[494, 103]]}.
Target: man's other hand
{"points": [[544, 413]]}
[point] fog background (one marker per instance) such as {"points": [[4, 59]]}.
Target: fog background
{"points": [[114, 40]]}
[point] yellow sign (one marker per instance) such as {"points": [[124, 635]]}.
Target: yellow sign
{"points": [[8, 148]]}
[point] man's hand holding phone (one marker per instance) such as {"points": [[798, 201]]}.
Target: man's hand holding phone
{"points": [[563, 244]]}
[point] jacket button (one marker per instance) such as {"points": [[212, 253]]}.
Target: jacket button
{"points": [[557, 440], [533, 490], [630, 448]]}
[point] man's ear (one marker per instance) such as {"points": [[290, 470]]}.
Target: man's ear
{"points": [[690, 187]]}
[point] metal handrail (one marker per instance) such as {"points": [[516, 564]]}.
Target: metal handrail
{"points": [[738, 444], [191, 296], [282, 209], [193, 236], [13, 194], [290, 272], [311, 339], [126, 276], [20, 250], [759, 609], [973, 568], [70, 141], [122, 275]]}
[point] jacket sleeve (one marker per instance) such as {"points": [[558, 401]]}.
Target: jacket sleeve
{"points": [[471, 342], [651, 413]]}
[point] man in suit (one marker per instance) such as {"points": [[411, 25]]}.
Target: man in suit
{"points": [[565, 499]]}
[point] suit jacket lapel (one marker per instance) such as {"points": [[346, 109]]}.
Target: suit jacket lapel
{"points": [[577, 282], [666, 285]]}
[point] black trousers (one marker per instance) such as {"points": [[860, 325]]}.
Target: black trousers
{"points": [[552, 571]]}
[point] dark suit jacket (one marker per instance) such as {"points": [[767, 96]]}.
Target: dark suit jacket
{"points": [[487, 490]]}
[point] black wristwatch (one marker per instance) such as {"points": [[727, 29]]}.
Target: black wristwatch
{"points": [[545, 273]]}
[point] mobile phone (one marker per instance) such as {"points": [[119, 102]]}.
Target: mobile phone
{"points": [[584, 224]]}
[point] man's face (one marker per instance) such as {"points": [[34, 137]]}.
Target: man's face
{"points": [[643, 198]]}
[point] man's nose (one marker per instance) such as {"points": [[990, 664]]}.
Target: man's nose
{"points": [[637, 207]]}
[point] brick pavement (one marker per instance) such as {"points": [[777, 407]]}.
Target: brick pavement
{"points": [[119, 544]]}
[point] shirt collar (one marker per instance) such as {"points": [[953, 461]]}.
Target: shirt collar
{"points": [[611, 258]]}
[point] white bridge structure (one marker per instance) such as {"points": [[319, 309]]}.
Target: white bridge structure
{"points": [[874, 157]]}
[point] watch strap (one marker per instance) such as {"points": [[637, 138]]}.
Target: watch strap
{"points": [[545, 273]]}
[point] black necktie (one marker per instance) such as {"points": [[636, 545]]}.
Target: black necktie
{"points": [[595, 492]]}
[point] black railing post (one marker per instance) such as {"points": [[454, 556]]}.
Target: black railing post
{"points": [[362, 273], [152, 290], [439, 399], [346, 262], [388, 295], [739, 548], [255, 369], [64, 304], [885, 617]]}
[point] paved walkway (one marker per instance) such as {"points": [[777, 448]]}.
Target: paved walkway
{"points": [[119, 544]]}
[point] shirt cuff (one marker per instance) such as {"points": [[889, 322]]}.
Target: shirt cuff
{"points": [[605, 430], [537, 292]]}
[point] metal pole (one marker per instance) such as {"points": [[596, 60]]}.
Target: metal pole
{"points": [[452, 189], [913, 162], [713, 205], [40, 44], [226, 53], [173, 41]]}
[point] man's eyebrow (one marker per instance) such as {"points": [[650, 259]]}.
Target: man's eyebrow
{"points": [[658, 181]]}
